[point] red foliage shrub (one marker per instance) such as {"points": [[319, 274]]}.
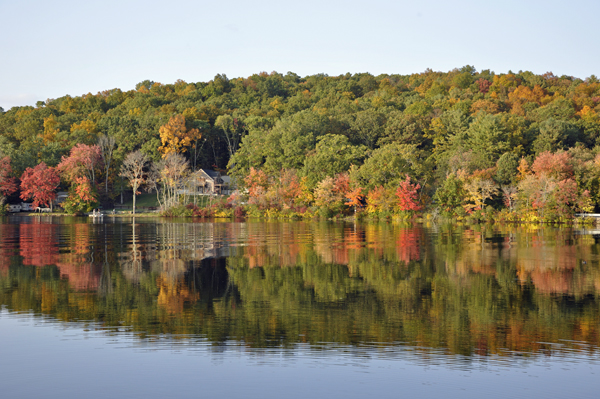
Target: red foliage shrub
{"points": [[239, 212]]}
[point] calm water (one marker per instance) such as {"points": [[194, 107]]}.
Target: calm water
{"points": [[149, 308]]}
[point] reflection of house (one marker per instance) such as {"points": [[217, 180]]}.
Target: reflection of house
{"points": [[212, 182]]}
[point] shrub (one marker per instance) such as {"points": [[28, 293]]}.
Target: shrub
{"points": [[239, 212], [177, 211]]}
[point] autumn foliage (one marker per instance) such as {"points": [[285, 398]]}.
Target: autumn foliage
{"points": [[175, 137], [7, 182], [39, 184], [407, 195], [83, 160], [355, 198], [479, 143]]}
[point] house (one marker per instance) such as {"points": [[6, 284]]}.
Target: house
{"points": [[61, 197], [212, 182]]}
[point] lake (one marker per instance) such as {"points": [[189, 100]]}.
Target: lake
{"points": [[149, 308]]}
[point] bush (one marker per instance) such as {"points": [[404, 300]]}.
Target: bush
{"points": [[177, 211], [325, 213], [239, 212], [75, 206]]}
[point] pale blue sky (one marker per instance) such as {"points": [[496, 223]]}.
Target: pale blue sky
{"points": [[52, 48]]}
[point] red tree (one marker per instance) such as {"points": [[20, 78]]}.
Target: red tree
{"points": [[289, 188], [407, 195], [83, 161], [557, 165], [84, 189], [39, 184], [484, 85], [257, 183], [7, 183], [342, 183]]}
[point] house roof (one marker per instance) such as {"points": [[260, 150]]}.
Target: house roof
{"points": [[212, 173]]}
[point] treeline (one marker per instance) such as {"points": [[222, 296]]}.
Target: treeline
{"points": [[464, 142]]}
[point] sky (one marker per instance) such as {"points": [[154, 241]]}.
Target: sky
{"points": [[49, 49]]}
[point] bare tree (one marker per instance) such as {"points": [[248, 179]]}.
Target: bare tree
{"points": [[229, 126], [133, 170], [169, 177], [107, 145], [510, 196]]}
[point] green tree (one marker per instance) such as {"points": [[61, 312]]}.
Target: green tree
{"points": [[391, 163], [333, 154], [488, 140]]}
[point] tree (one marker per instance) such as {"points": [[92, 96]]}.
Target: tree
{"points": [[479, 189], [333, 154], [555, 135], [451, 195], [326, 196], [556, 165], [509, 193], [289, 189], [168, 178], [355, 198], [132, 169], [342, 183], [82, 197], [506, 168], [488, 139], [407, 195], [229, 126], [368, 127], [483, 85], [107, 145], [523, 169], [82, 161], [551, 190], [388, 164], [39, 183], [257, 183], [380, 199], [175, 137], [7, 183]]}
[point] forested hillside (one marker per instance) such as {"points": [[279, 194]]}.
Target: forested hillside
{"points": [[461, 142]]}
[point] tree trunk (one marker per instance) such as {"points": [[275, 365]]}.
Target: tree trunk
{"points": [[134, 191]]}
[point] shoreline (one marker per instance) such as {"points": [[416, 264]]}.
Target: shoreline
{"points": [[576, 221]]}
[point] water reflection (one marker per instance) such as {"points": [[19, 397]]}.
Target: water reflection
{"points": [[477, 292]]}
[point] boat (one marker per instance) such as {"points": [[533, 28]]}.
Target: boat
{"points": [[95, 214]]}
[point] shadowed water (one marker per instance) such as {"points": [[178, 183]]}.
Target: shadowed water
{"points": [[296, 309]]}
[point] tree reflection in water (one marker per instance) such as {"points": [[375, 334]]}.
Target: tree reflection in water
{"points": [[462, 289]]}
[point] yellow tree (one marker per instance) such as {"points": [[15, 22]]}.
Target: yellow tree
{"points": [[84, 132], [175, 137], [50, 129], [523, 169], [479, 187]]}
